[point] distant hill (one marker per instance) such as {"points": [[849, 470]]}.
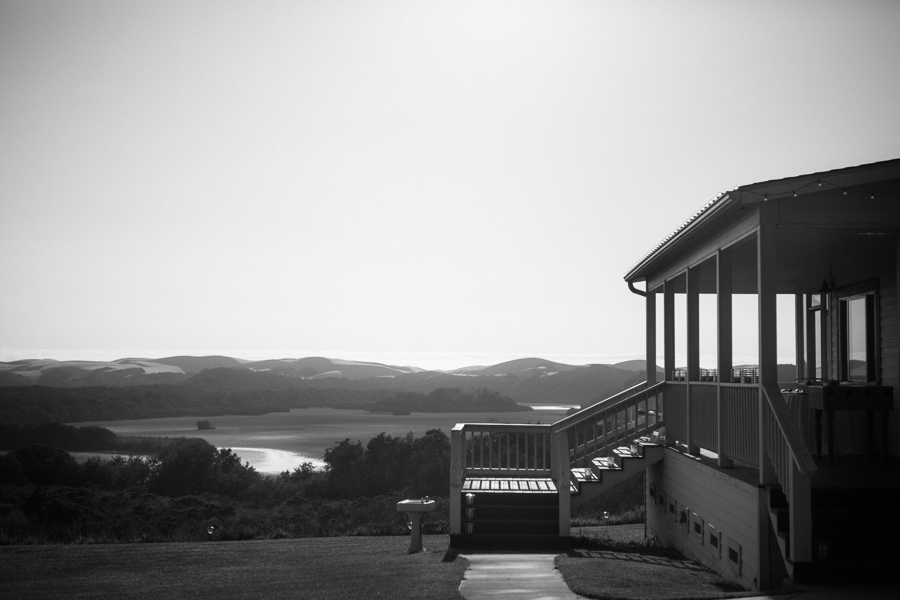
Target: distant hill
{"points": [[195, 364], [313, 366], [521, 366], [635, 365], [173, 369]]}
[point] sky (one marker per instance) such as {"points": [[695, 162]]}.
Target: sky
{"points": [[428, 183]]}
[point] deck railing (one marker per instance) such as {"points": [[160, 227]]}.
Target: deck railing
{"points": [[793, 467], [598, 429], [505, 450], [740, 423], [704, 414]]}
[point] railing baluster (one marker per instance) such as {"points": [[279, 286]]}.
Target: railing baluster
{"points": [[517, 450]]}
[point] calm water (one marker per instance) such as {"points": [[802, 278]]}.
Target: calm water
{"points": [[281, 441]]}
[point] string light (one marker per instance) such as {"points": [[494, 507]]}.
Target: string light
{"points": [[766, 196]]}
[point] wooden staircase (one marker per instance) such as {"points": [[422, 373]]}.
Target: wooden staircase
{"points": [[605, 472], [855, 537], [855, 524]]}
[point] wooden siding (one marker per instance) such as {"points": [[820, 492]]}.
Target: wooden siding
{"points": [[727, 503]]}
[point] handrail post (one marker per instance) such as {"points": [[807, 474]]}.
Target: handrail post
{"points": [[457, 467], [563, 478]]}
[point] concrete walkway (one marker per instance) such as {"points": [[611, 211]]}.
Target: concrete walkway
{"points": [[513, 577]]}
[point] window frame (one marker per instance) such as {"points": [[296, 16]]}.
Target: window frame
{"points": [[869, 291]]}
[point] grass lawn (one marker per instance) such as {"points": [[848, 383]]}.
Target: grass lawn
{"points": [[608, 564], [311, 568], [620, 575], [612, 563]]}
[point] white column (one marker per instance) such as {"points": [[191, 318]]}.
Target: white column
{"points": [[767, 278], [724, 345], [692, 287], [651, 338], [669, 330]]}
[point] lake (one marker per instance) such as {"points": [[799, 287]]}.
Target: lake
{"points": [[278, 442]]}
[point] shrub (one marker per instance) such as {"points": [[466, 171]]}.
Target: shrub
{"points": [[197, 467]]}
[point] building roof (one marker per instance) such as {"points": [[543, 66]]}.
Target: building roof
{"points": [[756, 192]]}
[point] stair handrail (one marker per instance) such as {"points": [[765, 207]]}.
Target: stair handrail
{"points": [[789, 431], [605, 404]]}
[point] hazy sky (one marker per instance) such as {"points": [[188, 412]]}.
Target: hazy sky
{"points": [[409, 182]]}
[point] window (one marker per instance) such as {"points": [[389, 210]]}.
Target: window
{"points": [[715, 540], [858, 338], [684, 518], [735, 558], [816, 312], [697, 527]]}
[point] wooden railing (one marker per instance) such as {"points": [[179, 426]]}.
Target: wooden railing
{"points": [[793, 468], [506, 450], [740, 423], [704, 415], [676, 410], [598, 429]]}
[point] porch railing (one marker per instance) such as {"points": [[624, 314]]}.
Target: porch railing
{"points": [[740, 423], [793, 468], [505, 450], [598, 429]]}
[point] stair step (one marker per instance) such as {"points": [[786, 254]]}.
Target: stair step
{"points": [[511, 485], [777, 499]]}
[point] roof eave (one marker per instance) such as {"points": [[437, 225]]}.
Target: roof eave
{"points": [[714, 209]]}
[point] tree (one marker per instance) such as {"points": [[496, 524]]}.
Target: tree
{"points": [[431, 464], [345, 466], [197, 467], [387, 461]]}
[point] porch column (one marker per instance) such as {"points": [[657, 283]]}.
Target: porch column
{"points": [[651, 338], [669, 330], [766, 280], [724, 345], [692, 286]]}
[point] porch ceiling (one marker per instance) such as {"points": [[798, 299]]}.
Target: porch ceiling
{"points": [[805, 256], [843, 223]]}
